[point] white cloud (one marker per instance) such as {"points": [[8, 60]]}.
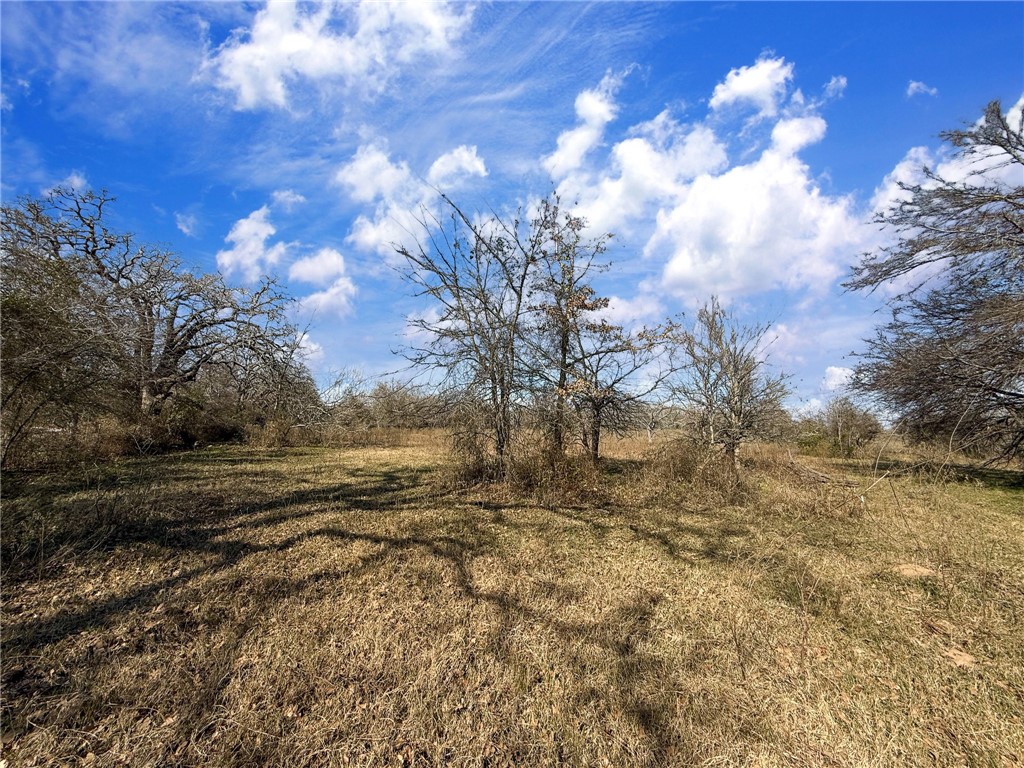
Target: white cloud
{"points": [[630, 312], [452, 166], [391, 224], [401, 197], [792, 135], [370, 174], [649, 167], [286, 199], [786, 342], [250, 256], [836, 87], [836, 377], [595, 108], [335, 300], [762, 84], [362, 44], [311, 353], [75, 181], [757, 227], [187, 223], [915, 87], [906, 171], [829, 332], [319, 269]]}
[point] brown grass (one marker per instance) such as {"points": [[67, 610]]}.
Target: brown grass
{"points": [[318, 607]]}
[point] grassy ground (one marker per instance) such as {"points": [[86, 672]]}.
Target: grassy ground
{"points": [[340, 607]]}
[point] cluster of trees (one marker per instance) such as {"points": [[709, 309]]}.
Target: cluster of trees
{"points": [[99, 328], [841, 427], [520, 333], [519, 329]]}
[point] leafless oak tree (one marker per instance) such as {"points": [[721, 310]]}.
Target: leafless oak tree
{"points": [[125, 314]]}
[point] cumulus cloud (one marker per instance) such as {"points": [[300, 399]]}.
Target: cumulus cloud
{"points": [[836, 378], [400, 197], [916, 87], [370, 174], [250, 255], [334, 300], [649, 167], [595, 108], [452, 166], [731, 230], [321, 268], [757, 227], [792, 135], [187, 223], [362, 44], [761, 85]]}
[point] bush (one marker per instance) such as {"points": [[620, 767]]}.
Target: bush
{"points": [[703, 469]]}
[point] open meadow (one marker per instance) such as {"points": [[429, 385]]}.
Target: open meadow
{"points": [[328, 607]]}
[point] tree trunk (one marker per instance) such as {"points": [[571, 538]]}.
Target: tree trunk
{"points": [[595, 438], [732, 458], [558, 431], [147, 400]]}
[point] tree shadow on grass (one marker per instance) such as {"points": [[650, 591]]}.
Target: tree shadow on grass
{"points": [[1006, 478], [217, 535]]}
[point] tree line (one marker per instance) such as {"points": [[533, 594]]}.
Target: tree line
{"points": [[107, 336]]}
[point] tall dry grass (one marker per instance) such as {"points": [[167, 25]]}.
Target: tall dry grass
{"points": [[319, 607]]}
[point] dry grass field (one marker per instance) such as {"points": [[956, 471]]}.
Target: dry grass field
{"points": [[315, 607]]}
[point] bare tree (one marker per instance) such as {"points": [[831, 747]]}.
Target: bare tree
{"points": [[480, 278], [171, 323], [54, 350], [841, 425], [519, 326], [951, 360], [723, 380], [614, 371]]}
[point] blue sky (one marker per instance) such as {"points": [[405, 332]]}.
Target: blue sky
{"points": [[733, 149]]}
